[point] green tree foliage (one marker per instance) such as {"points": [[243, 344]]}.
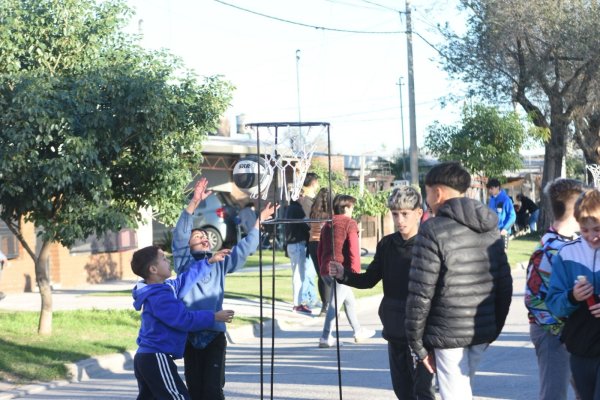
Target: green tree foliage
{"points": [[487, 143], [543, 55], [92, 127], [367, 203]]}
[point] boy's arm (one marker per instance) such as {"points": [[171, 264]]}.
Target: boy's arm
{"points": [[511, 215], [198, 270], [172, 312], [249, 244], [423, 276], [354, 251], [560, 300], [371, 276], [183, 228]]}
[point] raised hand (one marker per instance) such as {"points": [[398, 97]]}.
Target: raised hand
{"points": [[200, 192], [267, 213], [219, 256]]}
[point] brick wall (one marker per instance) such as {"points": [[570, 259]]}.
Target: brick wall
{"points": [[66, 270]]}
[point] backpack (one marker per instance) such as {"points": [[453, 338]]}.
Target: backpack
{"points": [[537, 284]]}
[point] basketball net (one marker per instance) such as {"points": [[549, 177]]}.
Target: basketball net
{"points": [[289, 149], [595, 171]]}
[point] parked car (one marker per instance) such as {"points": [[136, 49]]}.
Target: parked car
{"points": [[217, 215]]}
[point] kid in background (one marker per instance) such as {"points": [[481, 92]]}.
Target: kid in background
{"points": [[166, 321]]}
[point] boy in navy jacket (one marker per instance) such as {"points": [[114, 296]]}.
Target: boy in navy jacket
{"points": [[166, 321]]}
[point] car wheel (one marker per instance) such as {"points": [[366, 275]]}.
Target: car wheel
{"points": [[214, 238]]}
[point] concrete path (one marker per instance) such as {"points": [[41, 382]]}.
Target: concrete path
{"points": [[304, 371]]}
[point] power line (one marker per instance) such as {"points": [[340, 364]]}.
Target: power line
{"points": [[287, 21], [381, 5]]}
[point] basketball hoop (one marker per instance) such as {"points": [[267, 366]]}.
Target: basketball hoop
{"points": [[289, 148], [595, 171]]}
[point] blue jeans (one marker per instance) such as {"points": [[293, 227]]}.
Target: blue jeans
{"points": [[533, 218], [344, 296], [297, 253], [309, 289]]}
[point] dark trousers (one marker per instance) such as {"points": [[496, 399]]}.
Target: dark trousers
{"points": [[324, 287], [205, 369], [586, 374], [409, 383], [157, 377]]}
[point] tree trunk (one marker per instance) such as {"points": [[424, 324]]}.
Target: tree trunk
{"points": [[553, 162], [43, 282]]}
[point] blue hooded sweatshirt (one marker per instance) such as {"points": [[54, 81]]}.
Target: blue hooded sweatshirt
{"points": [[505, 210], [165, 319], [208, 292]]}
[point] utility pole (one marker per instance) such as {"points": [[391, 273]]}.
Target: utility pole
{"points": [[402, 129], [414, 149], [298, 82]]}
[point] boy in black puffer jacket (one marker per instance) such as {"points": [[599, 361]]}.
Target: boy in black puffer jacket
{"points": [[391, 265], [460, 286]]}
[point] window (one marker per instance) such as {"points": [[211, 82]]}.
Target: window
{"points": [[9, 244], [125, 239]]}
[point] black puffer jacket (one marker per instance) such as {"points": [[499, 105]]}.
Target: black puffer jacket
{"points": [[460, 285]]}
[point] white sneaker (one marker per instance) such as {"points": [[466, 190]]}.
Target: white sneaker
{"points": [[363, 335], [326, 343]]}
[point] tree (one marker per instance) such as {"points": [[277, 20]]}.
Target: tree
{"points": [[92, 127], [487, 143], [543, 55]]}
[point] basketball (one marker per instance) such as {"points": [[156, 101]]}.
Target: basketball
{"points": [[246, 174]]}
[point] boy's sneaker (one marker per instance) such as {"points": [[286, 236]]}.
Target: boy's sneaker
{"points": [[363, 335], [326, 343], [303, 309]]}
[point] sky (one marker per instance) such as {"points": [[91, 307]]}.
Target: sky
{"points": [[347, 79]]}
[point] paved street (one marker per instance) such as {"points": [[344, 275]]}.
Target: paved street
{"points": [[303, 371]]}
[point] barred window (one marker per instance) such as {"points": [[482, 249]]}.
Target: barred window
{"points": [[9, 245], [125, 239]]}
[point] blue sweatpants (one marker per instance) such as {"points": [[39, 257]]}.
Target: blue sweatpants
{"points": [[157, 377]]}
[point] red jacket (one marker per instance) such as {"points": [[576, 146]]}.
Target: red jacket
{"points": [[345, 234]]}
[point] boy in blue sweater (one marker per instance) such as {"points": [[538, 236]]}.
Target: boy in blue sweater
{"points": [[166, 321], [204, 355], [503, 206]]}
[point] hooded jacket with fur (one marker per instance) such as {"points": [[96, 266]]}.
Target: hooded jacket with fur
{"points": [[460, 286]]}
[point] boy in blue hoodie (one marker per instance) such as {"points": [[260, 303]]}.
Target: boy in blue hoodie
{"points": [[204, 356], [503, 206], [166, 321]]}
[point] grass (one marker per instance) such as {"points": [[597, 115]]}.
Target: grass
{"points": [[520, 249], [26, 356]]}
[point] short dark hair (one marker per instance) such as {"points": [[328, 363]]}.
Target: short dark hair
{"points": [[142, 259], [450, 174], [493, 182], [341, 202], [310, 178], [563, 193]]}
